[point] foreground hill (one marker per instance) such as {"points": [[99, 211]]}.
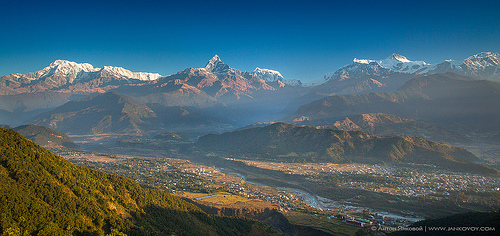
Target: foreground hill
{"points": [[286, 142], [448, 100], [389, 125], [43, 194], [45, 137]]}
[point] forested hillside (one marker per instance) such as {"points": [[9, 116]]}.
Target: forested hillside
{"points": [[43, 194], [291, 143], [46, 137]]}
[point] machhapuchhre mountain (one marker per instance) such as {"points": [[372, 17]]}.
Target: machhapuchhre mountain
{"points": [[291, 143], [43, 194]]}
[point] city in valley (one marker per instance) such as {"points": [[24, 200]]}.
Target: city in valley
{"points": [[305, 192]]}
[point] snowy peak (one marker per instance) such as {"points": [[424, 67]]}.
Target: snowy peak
{"points": [[268, 75], [84, 71], [358, 68], [363, 61], [483, 59], [216, 66], [398, 57], [483, 65], [61, 72], [73, 65], [274, 76], [124, 73], [483, 55], [399, 63]]}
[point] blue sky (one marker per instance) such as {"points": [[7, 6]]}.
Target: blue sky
{"points": [[301, 39]]}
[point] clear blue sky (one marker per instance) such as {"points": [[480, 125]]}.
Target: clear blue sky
{"points": [[302, 39]]}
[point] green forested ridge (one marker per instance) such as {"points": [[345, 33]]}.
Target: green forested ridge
{"points": [[43, 194], [46, 137], [6, 126], [286, 142]]}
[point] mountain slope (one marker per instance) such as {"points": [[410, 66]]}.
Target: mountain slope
{"points": [[448, 100], [113, 113], [43, 194], [98, 114], [286, 142], [45, 137], [389, 125]]}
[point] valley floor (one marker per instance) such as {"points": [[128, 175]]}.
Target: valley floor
{"points": [[318, 195]]}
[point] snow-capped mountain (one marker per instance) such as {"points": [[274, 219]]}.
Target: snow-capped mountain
{"points": [[274, 76], [358, 68], [73, 71], [484, 65], [216, 66], [268, 75], [364, 67], [67, 73], [400, 63]]}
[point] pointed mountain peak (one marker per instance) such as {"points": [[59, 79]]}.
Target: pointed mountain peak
{"points": [[398, 57], [216, 66]]}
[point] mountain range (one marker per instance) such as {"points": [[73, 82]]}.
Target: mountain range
{"points": [[113, 113], [485, 65], [216, 89], [449, 100], [291, 143], [214, 86], [387, 75]]}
